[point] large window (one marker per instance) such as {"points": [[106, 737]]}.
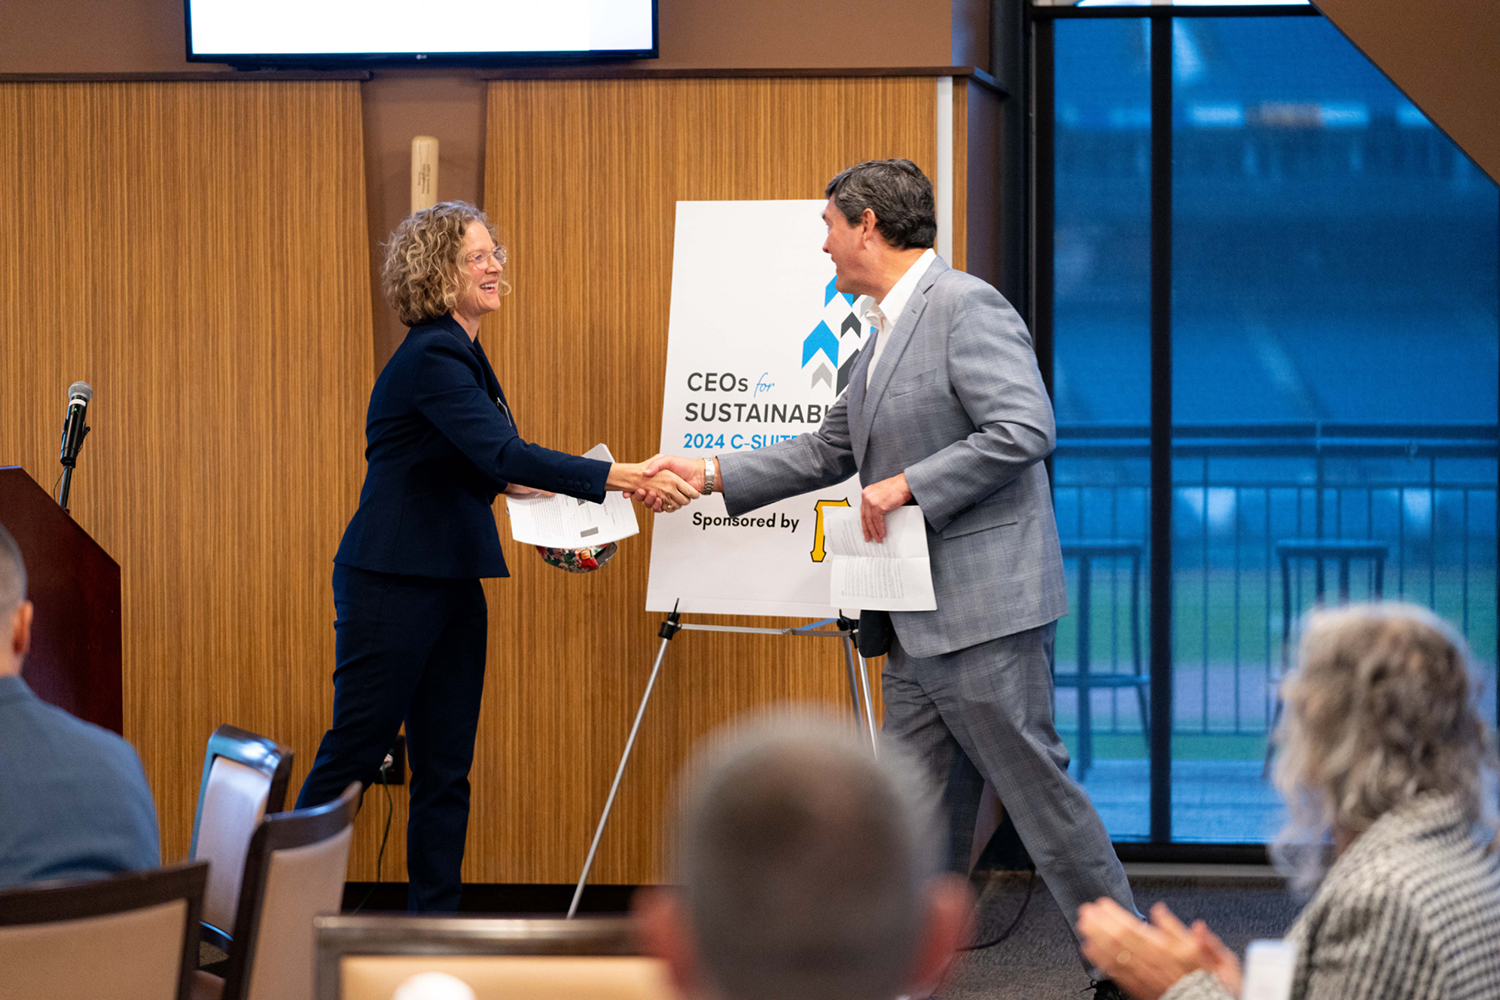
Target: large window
{"points": [[1310, 385]]}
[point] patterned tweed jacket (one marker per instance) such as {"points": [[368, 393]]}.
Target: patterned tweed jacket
{"points": [[1411, 911]]}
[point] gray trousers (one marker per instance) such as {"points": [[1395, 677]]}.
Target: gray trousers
{"points": [[985, 713]]}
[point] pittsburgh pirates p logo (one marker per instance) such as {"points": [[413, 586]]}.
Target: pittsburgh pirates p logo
{"points": [[818, 551]]}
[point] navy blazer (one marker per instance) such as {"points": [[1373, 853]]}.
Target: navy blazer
{"points": [[441, 445]]}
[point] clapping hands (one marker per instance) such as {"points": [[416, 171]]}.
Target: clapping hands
{"points": [[1146, 959]]}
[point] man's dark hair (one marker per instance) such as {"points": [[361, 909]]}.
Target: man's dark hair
{"points": [[12, 573], [897, 192]]}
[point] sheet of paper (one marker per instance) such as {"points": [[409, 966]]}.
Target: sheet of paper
{"points": [[564, 522], [1270, 967], [893, 575]]}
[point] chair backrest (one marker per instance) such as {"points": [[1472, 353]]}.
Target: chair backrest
{"points": [[368, 957], [294, 870], [127, 937], [245, 776]]}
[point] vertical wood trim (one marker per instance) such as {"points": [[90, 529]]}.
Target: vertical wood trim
{"points": [[960, 221]]}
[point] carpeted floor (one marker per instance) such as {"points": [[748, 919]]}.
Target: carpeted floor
{"points": [[1038, 961]]}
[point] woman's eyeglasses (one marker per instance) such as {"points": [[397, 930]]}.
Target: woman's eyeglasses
{"points": [[479, 259]]}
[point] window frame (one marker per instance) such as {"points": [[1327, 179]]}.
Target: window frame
{"points": [[1039, 199]]}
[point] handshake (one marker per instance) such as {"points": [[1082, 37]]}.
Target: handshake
{"points": [[665, 483]]}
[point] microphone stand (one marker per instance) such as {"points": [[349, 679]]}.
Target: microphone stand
{"points": [[67, 476]]}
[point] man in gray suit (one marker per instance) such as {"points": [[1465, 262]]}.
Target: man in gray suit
{"points": [[946, 408]]}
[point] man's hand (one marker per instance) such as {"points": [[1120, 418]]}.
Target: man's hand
{"points": [[526, 492], [878, 500], [689, 469]]}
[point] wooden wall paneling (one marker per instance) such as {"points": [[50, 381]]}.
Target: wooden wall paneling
{"points": [[583, 177], [197, 252]]}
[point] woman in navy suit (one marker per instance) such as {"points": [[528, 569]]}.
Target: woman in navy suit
{"points": [[412, 621]]}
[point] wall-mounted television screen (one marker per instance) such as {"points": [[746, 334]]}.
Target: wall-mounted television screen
{"points": [[387, 32]]}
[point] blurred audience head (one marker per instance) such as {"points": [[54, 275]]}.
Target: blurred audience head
{"points": [[805, 869], [1382, 709], [15, 610]]}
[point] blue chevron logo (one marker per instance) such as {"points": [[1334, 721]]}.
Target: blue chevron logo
{"points": [[821, 339], [838, 314]]}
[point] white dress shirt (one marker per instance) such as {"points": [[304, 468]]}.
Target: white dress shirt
{"points": [[885, 314]]}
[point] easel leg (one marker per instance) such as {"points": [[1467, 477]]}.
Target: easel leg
{"points": [[668, 629], [853, 681], [864, 715], [864, 683]]}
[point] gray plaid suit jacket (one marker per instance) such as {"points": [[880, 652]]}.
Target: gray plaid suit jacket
{"points": [[957, 403], [1411, 911]]}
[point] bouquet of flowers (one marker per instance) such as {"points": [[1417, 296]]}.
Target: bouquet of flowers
{"points": [[584, 560]]}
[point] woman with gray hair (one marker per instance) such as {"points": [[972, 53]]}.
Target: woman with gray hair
{"points": [[442, 443], [1385, 763]]}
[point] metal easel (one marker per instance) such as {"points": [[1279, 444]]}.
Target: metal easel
{"points": [[844, 629]]}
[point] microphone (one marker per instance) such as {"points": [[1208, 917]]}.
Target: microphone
{"points": [[75, 428], [74, 425]]}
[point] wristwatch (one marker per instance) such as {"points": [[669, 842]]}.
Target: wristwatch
{"points": [[708, 477]]}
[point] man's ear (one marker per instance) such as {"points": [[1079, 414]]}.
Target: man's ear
{"points": [[662, 926], [20, 630], [869, 234], [949, 925]]}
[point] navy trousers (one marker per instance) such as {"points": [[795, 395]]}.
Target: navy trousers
{"points": [[410, 649]]}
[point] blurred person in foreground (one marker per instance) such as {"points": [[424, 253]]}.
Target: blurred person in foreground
{"points": [[74, 802], [806, 869], [1385, 762], [412, 625]]}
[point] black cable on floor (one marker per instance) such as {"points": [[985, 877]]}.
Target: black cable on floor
{"points": [[1030, 885], [390, 810]]}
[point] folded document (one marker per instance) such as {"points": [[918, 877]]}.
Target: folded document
{"points": [[893, 575], [564, 522]]}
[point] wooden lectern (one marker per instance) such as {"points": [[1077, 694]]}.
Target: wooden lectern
{"points": [[74, 661]]}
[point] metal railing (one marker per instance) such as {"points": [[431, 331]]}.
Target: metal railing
{"points": [[1426, 494]]}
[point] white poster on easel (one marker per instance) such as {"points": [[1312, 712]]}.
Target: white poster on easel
{"points": [[759, 345]]}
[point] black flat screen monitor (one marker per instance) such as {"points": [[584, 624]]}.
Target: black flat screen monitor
{"points": [[345, 33]]}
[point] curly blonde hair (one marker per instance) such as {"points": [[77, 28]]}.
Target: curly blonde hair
{"points": [[1382, 708], [423, 270]]}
